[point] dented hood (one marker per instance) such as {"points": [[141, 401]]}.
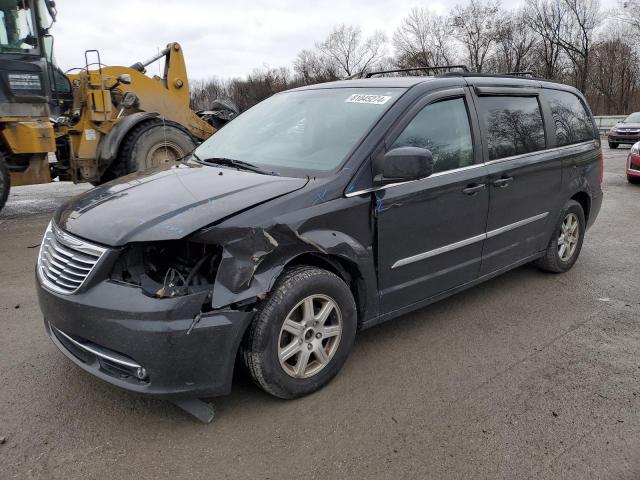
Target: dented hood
{"points": [[167, 204]]}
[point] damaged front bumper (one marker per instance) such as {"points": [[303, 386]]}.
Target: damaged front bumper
{"points": [[161, 347]]}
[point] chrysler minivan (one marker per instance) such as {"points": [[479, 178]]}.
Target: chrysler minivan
{"points": [[321, 211]]}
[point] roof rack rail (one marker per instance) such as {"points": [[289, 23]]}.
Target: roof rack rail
{"points": [[448, 68], [524, 73]]}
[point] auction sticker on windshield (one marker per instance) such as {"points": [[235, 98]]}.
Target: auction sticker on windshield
{"points": [[364, 98]]}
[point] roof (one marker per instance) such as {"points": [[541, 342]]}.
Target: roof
{"points": [[452, 79]]}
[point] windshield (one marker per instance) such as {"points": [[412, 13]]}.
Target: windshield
{"points": [[633, 118], [310, 130], [16, 30]]}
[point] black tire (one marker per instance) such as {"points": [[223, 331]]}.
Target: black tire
{"points": [[143, 140], [5, 182], [633, 179], [551, 261], [613, 145], [263, 339]]}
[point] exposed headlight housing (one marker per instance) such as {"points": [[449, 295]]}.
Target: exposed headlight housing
{"points": [[24, 81], [168, 268], [635, 149]]}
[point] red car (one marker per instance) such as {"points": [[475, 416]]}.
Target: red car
{"points": [[625, 132], [633, 164]]}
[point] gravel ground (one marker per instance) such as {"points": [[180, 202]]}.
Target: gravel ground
{"points": [[529, 375]]}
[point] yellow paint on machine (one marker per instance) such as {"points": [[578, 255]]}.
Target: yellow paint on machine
{"points": [[35, 136]]}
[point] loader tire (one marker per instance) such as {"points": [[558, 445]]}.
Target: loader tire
{"points": [[5, 182], [150, 144]]}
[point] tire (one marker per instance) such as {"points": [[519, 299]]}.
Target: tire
{"points": [[556, 260], [633, 179], [613, 145], [268, 337], [142, 148], [5, 182]]}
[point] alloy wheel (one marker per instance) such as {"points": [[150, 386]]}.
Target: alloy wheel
{"points": [[569, 235], [309, 336]]}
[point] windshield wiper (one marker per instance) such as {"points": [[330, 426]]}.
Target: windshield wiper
{"points": [[230, 162]]}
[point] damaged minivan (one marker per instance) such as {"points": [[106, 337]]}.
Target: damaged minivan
{"points": [[318, 212]]}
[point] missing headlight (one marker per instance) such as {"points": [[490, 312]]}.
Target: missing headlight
{"points": [[170, 268]]}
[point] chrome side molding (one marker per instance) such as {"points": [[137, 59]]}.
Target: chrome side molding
{"points": [[468, 241]]}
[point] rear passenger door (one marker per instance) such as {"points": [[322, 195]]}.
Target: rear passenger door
{"points": [[430, 232], [524, 178]]}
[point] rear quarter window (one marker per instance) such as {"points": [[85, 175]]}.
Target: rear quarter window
{"points": [[572, 121], [514, 125]]}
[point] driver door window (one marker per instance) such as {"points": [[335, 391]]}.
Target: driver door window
{"points": [[442, 127]]}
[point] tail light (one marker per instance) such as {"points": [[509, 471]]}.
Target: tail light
{"points": [[601, 165]]}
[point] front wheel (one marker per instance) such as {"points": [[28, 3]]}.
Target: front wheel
{"points": [[150, 144], [5, 182], [613, 145], [566, 242], [302, 334], [633, 179]]}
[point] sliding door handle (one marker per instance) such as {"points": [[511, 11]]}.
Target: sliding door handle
{"points": [[473, 188], [503, 182]]}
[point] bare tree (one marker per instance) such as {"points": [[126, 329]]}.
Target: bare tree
{"points": [[615, 74], [423, 39], [516, 43], [544, 17], [475, 26], [576, 37], [313, 67], [630, 13], [349, 53]]}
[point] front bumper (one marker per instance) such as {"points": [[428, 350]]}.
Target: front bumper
{"points": [[633, 165], [111, 330], [629, 139]]}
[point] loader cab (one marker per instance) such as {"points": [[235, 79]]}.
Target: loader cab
{"points": [[28, 71]]}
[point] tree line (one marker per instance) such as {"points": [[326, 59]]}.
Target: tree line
{"points": [[575, 42]]}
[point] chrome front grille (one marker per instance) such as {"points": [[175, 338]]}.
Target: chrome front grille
{"points": [[64, 261]]}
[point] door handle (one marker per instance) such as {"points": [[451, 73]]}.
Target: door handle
{"points": [[473, 188], [502, 182]]}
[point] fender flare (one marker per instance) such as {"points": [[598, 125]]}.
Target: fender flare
{"points": [[253, 259], [110, 143]]}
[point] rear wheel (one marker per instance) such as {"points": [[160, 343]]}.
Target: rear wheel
{"points": [[613, 145], [566, 242], [151, 144], [302, 334], [5, 182]]}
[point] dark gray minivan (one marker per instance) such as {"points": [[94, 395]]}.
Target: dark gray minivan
{"points": [[320, 211]]}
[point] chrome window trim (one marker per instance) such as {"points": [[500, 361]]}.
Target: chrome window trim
{"points": [[469, 167], [390, 185], [468, 241], [98, 352]]}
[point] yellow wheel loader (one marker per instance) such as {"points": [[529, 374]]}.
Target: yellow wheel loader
{"points": [[101, 121]]}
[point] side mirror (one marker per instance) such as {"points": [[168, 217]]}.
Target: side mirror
{"points": [[404, 164]]}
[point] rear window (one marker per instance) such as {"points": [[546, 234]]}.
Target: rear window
{"points": [[514, 125], [572, 121]]}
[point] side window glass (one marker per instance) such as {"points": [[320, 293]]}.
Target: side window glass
{"points": [[514, 125], [442, 127], [572, 121]]}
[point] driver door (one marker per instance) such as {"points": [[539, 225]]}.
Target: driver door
{"points": [[431, 232]]}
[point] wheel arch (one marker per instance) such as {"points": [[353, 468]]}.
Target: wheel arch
{"points": [[584, 199], [344, 268], [110, 144]]}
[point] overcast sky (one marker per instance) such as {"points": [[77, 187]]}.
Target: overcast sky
{"points": [[222, 39]]}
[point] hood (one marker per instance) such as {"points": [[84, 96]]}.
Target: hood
{"points": [[167, 204], [630, 126]]}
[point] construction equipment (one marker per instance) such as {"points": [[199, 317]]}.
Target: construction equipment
{"points": [[101, 121]]}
